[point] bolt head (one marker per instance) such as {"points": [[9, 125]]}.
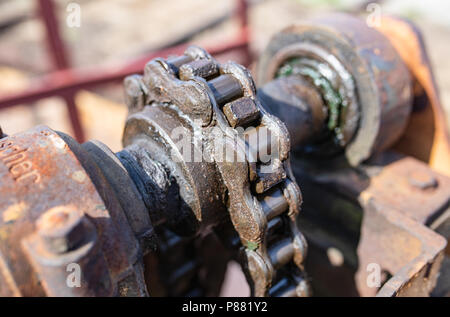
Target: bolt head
{"points": [[422, 180], [61, 228]]}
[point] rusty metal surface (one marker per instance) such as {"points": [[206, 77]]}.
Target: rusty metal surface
{"points": [[26, 172], [413, 188], [192, 190], [32, 163], [427, 136], [125, 262], [403, 199], [383, 210], [188, 93], [406, 249], [366, 67], [126, 192]]}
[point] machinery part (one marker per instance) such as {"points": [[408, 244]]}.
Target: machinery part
{"points": [[186, 95], [107, 233], [363, 82], [427, 136], [183, 266], [300, 105], [42, 232], [382, 215], [150, 184], [205, 158], [414, 271], [406, 224]]}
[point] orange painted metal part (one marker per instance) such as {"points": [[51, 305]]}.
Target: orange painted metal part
{"points": [[380, 216], [400, 204], [426, 137]]}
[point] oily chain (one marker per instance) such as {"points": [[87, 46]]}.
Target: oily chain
{"points": [[264, 199]]}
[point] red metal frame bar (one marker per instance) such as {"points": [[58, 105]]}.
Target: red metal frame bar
{"points": [[60, 58], [70, 81], [66, 81]]}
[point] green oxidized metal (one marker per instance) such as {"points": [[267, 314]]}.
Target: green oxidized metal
{"points": [[332, 98]]}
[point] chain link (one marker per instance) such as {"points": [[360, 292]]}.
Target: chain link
{"points": [[263, 196]]}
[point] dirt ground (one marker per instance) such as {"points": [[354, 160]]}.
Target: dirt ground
{"points": [[114, 31]]}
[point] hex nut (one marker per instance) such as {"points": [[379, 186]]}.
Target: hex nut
{"points": [[62, 228]]}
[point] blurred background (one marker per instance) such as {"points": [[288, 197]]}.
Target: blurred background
{"points": [[109, 36], [62, 62]]}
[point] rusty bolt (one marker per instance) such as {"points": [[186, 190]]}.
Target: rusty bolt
{"points": [[62, 228], [241, 112], [422, 180]]}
